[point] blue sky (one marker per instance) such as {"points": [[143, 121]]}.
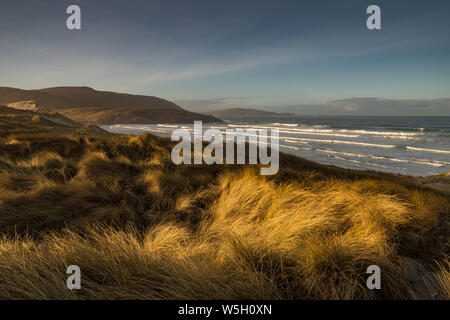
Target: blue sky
{"points": [[216, 54]]}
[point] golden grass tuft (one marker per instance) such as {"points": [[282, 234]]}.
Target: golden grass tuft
{"points": [[140, 227]]}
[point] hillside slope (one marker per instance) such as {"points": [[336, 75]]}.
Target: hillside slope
{"points": [[134, 115], [87, 105], [16, 121], [81, 97]]}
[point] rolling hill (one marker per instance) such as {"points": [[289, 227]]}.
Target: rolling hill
{"points": [[87, 105], [30, 122]]}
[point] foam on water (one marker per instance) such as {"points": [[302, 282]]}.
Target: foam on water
{"points": [[408, 145]]}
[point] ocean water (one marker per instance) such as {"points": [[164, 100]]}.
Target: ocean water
{"points": [[408, 145]]}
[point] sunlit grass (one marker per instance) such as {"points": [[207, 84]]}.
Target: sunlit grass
{"points": [[140, 227]]}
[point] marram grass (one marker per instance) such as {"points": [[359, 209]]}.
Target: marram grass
{"points": [[140, 227]]}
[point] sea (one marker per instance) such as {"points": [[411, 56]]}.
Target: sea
{"points": [[418, 146]]}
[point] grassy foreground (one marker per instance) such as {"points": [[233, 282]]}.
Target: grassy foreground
{"points": [[140, 227]]}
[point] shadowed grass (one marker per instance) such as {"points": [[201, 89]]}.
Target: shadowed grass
{"points": [[140, 227]]}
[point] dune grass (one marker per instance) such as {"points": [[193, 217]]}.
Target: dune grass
{"points": [[140, 227]]}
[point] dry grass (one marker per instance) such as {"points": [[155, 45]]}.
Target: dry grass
{"points": [[141, 228]]}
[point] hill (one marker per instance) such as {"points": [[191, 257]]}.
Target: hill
{"points": [[17, 121], [134, 115], [140, 227], [239, 113], [80, 103]]}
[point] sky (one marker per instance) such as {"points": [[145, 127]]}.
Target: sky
{"points": [[310, 56]]}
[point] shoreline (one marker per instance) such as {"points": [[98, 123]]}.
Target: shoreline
{"points": [[170, 231], [163, 130]]}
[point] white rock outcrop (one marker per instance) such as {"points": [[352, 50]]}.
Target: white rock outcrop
{"points": [[30, 105]]}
